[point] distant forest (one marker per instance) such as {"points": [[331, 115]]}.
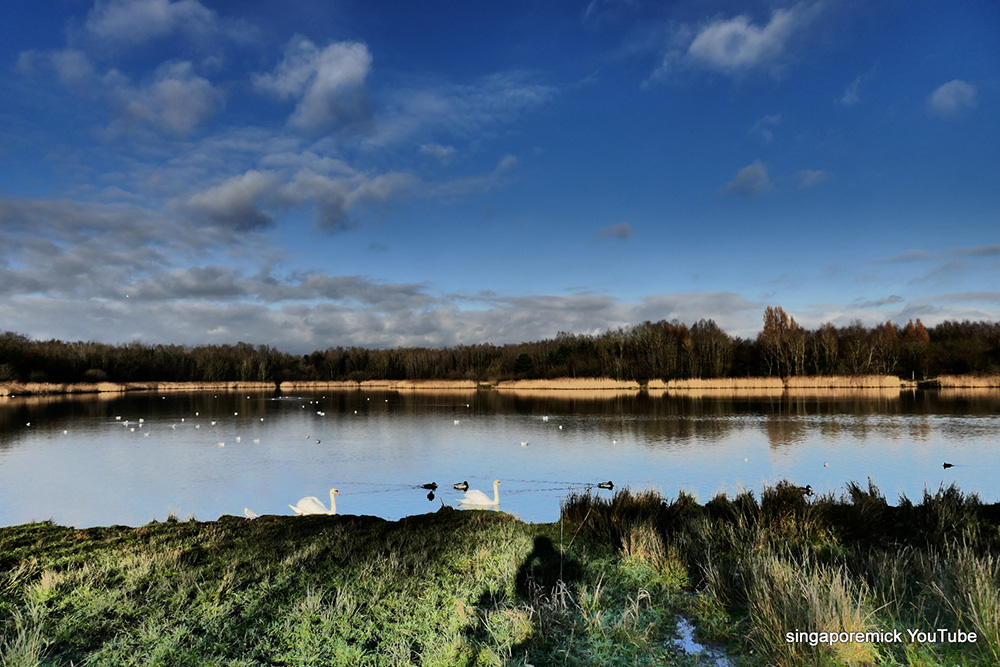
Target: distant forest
{"points": [[651, 350]]}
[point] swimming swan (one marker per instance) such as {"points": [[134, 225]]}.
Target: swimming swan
{"points": [[476, 498], [312, 505]]}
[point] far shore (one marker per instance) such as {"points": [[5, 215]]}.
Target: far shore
{"points": [[748, 386]]}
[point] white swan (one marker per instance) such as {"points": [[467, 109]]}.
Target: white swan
{"points": [[476, 498], [312, 505]]}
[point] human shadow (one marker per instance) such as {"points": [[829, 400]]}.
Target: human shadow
{"points": [[544, 574]]}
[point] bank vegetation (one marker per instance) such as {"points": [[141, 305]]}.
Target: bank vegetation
{"points": [[614, 582]]}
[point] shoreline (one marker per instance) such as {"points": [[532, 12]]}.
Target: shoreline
{"points": [[764, 386]]}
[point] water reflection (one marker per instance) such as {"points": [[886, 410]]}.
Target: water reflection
{"points": [[77, 463]]}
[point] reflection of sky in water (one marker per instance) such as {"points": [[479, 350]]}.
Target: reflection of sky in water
{"points": [[101, 472]]}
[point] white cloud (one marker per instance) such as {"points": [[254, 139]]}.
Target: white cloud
{"points": [[764, 126], [810, 177], [736, 45], [328, 83], [952, 98], [234, 203], [137, 21], [471, 184], [72, 67], [175, 99], [750, 180], [334, 198], [469, 111], [851, 95], [443, 153]]}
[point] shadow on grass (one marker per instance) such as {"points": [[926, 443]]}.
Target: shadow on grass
{"points": [[544, 577]]}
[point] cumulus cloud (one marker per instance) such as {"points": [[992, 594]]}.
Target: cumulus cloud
{"points": [[334, 198], [235, 203], [735, 45], [620, 231], [952, 98], [750, 180], [328, 83], [175, 99], [133, 22], [73, 67]]}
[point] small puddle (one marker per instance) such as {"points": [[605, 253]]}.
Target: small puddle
{"points": [[687, 643]]}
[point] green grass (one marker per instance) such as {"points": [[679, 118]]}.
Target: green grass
{"points": [[603, 586]]}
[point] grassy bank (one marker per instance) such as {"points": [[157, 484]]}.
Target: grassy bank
{"points": [[606, 585]]}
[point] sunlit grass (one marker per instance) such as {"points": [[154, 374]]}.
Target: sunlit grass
{"points": [[604, 585]]}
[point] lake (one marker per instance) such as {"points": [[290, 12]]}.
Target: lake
{"points": [[131, 458]]}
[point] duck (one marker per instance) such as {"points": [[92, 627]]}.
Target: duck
{"points": [[432, 486], [947, 465], [461, 486], [806, 490], [606, 485]]}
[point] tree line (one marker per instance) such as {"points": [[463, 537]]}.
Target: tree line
{"points": [[642, 352]]}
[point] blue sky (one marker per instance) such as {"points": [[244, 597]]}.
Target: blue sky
{"points": [[308, 174]]}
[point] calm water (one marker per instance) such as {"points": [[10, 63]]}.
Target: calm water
{"points": [[78, 464]]}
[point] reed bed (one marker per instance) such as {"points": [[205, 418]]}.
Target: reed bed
{"points": [[990, 381], [576, 384], [43, 388], [773, 383], [52, 388], [843, 382]]}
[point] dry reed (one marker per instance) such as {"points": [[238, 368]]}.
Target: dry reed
{"points": [[991, 381]]}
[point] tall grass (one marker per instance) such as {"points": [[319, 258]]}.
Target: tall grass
{"points": [[787, 562]]}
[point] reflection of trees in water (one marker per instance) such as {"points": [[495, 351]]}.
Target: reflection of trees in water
{"points": [[784, 431], [648, 418]]}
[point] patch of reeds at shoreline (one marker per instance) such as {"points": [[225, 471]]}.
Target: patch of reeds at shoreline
{"points": [[610, 583], [747, 386]]}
